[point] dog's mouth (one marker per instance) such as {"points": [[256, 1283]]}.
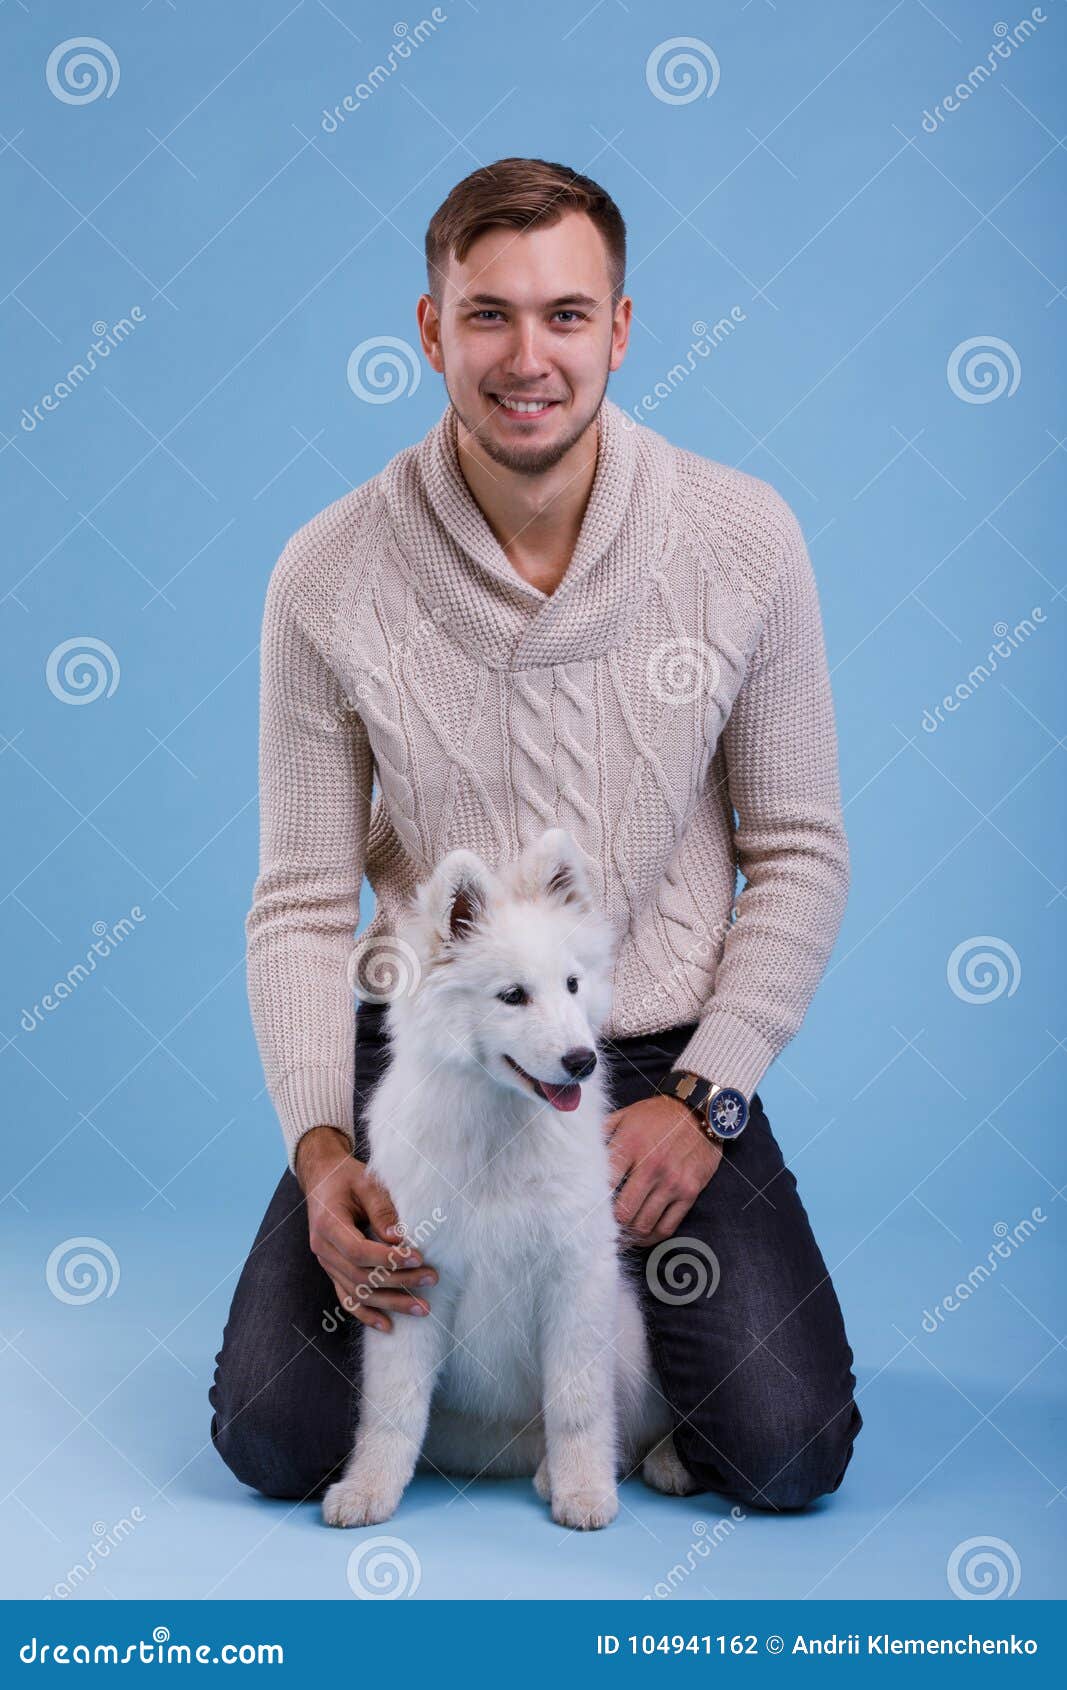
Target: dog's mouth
{"points": [[561, 1097]]}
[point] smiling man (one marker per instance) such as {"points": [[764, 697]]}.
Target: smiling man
{"points": [[541, 614]]}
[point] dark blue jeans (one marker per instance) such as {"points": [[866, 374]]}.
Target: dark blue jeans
{"points": [[756, 1365]]}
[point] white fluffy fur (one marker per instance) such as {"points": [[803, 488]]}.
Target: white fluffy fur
{"points": [[534, 1353]]}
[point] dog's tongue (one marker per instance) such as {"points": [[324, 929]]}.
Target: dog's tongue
{"points": [[562, 1097]]}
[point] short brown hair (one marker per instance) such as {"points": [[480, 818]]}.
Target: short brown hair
{"points": [[521, 193]]}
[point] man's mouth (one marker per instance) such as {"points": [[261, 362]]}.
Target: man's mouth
{"points": [[524, 407], [564, 1098]]}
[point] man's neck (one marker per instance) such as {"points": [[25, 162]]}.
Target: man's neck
{"points": [[536, 518]]}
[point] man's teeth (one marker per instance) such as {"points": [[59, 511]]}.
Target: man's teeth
{"points": [[524, 405]]}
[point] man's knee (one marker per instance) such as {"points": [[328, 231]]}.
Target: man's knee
{"points": [[262, 1448], [780, 1461]]}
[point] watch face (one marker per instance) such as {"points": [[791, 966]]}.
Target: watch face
{"points": [[728, 1112]]}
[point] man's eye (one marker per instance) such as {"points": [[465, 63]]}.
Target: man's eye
{"points": [[572, 982], [513, 995]]}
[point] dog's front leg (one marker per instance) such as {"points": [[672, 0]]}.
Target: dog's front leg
{"points": [[579, 1394], [398, 1374]]}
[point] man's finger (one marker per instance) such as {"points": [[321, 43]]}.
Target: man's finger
{"points": [[379, 1206], [648, 1216], [362, 1252], [621, 1159], [670, 1220], [632, 1195], [398, 1302], [374, 1318]]}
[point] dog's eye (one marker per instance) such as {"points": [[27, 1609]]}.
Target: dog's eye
{"points": [[572, 982], [514, 994]]}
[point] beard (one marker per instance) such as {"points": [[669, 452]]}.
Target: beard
{"points": [[529, 459]]}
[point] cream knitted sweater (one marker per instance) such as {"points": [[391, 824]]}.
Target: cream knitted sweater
{"points": [[418, 694]]}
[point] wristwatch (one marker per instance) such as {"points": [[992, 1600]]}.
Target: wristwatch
{"points": [[722, 1111]]}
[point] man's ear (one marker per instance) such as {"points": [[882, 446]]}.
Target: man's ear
{"points": [[459, 895], [555, 867]]}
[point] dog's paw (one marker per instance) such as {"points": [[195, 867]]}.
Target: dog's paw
{"points": [[663, 1470], [541, 1483], [585, 1510], [347, 1504]]}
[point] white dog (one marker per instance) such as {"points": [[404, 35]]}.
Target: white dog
{"points": [[490, 1115]]}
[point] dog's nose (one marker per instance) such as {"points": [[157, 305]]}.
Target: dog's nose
{"points": [[579, 1063]]}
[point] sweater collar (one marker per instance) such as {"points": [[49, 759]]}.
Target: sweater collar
{"points": [[459, 566]]}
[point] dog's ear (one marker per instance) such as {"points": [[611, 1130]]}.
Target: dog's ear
{"points": [[555, 867], [459, 895]]}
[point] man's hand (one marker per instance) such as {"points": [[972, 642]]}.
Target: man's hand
{"points": [[370, 1279], [657, 1147]]}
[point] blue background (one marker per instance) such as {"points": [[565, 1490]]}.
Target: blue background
{"points": [[146, 511]]}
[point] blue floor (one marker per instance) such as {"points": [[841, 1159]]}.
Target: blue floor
{"points": [[111, 1425]]}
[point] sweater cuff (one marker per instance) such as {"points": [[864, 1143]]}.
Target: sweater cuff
{"points": [[313, 1097], [728, 1051]]}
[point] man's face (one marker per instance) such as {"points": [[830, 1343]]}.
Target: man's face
{"points": [[527, 317]]}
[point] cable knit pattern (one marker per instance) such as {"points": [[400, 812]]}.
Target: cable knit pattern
{"points": [[669, 703]]}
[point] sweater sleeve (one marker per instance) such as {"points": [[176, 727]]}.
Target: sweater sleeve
{"points": [[315, 779], [780, 749]]}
